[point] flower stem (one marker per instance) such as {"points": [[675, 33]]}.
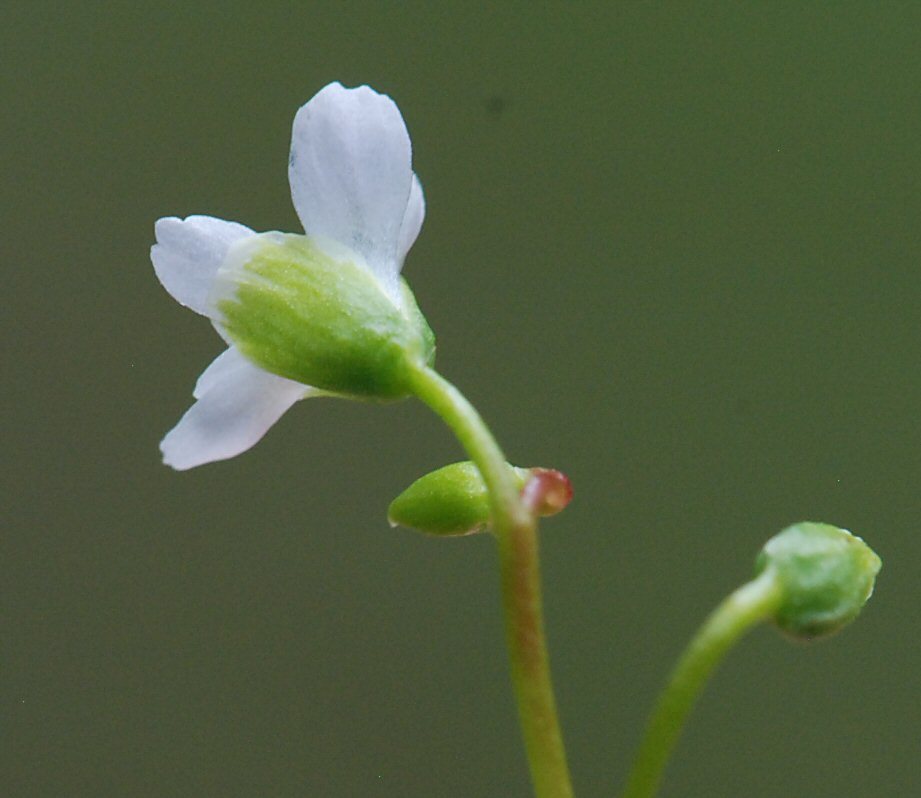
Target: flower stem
{"points": [[740, 611], [516, 531]]}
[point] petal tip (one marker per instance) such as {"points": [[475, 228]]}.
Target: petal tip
{"points": [[173, 458]]}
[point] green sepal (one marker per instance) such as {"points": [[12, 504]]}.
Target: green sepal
{"points": [[319, 316], [452, 500], [826, 575]]}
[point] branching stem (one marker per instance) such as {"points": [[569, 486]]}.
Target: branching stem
{"points": [[515, 529]]}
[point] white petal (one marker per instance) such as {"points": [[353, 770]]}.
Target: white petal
{"points": [[351, 174], [188, 254], [412, 219], [237, 404], [227, 365]]}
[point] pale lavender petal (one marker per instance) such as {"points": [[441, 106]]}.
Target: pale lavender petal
{"points": [[412, 219], [188, 254], [237, 404], [351, 174]]}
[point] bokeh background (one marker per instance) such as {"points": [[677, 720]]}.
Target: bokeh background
{"points": [[671, 248]]}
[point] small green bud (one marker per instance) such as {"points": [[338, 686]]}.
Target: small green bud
{"points": [[826, 575], [453, 500], [314, 312]]}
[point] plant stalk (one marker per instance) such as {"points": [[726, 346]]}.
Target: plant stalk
{"points": [[515, 528], [740, 611]]}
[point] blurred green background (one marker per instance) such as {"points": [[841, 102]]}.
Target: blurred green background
{"points": [[671, 249]]}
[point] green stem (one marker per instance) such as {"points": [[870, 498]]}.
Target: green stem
{"points": [[740, 611], [516, 532]]}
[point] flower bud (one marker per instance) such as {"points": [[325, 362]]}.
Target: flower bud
{"points": [[546, 491], [312, 311], [826, 575], [454, 500]]}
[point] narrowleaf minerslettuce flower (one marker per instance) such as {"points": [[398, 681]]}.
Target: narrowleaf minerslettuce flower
{"points": [[321, 313]]}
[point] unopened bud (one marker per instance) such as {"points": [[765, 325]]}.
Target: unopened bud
{"points": [[546, 491], [826, 575], [454, 500]]}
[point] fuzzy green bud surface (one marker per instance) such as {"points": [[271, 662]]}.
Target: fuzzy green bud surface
{"points": [[453, 500], [312, 311], [826, 575]]}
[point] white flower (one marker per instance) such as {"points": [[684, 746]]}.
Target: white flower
{"points": [[354, 190]]}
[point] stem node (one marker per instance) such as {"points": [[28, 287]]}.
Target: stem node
{"points": [[515, 527]]}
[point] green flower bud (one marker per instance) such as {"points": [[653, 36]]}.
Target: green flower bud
{"points": [[454, 500], [826, 575], [314, 312]]}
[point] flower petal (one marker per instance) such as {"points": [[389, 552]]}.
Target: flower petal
{"points": [[351, 174], [412, 219], [229, 364], [188, 254], [237, 404]]}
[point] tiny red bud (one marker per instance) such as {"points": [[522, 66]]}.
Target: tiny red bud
{"points": [[547, 491]]}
